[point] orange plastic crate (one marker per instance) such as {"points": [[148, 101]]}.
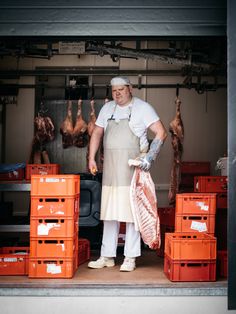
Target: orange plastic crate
{"points": [[83, 251], [187, 246], [190, 270], [52, 248], [54, 206], [222, 263], [196, 167], [195, 223], [55, 185], [196, 203], [42, 169], [221, 200], [14, 261], [52, 268], [167, 215], [57, 227], [210, 184]]}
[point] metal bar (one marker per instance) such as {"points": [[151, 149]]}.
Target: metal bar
{"points": [[9, 186], [105, 72], [231, 155], [196, 86], [14, 228]]}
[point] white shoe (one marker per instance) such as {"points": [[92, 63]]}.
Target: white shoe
{"points": [[128, 264], [102, 262]]}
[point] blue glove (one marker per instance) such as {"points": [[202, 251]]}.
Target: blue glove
{"points": [[146, 161]]}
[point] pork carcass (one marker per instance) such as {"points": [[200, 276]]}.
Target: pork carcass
{"points": [[144, 207], [66, 128], [91, 123], [44, 129], [80, 134], [177, 135]]}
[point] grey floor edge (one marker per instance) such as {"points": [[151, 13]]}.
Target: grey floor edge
{"points": [[116, 291]]}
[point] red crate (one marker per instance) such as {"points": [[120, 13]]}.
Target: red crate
{"points": [[42, 169], [56, 227], [14, 261], [196, 167], [222, 263], [54, 206], [209, 184], [166, 216], [187, 246], [195, 223], [83, 251], [164, 229], [55, 185], [14, 250], [52, 248], [196, 203], [190, 270], [52, 267], [221, 200], [15, 175]]}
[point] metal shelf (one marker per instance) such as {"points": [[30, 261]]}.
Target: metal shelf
{"points": [[15, 186]]}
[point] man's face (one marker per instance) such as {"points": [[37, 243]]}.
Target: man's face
{"points": [[121, 94]]}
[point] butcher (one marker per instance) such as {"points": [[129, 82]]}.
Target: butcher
{"points": [[123, 124]]}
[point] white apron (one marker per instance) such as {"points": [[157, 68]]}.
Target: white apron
{"points": [[120, 145]]}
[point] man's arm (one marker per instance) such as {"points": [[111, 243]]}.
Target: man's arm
{"points": [[93, 147], [160, 135]]}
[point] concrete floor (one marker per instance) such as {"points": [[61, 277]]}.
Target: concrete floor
{"points": [[148, 275]]}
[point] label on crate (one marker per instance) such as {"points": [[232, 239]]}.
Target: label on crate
{"points": [[10, 259], [199, 226], [202, 206], [43, 229], [53, 269], [52, 180]]}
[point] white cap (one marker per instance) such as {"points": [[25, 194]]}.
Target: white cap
{"points": [[120, 80]]}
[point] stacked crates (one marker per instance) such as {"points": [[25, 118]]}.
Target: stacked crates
{"points": [[54, 226], [190, 257], [218, 185], [195, 212], [190, 252]]}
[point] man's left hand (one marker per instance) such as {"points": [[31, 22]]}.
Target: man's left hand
{"points": [[145, 164]]}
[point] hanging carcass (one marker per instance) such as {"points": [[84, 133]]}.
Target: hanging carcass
{"points": [[177, 135], [80, 132], [67, 128]]}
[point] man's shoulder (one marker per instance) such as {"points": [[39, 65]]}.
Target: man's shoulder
{"points": [[108, 105], [139, 103]]}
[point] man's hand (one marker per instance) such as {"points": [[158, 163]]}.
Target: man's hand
{"points": [[144, 163], [93, 167]]}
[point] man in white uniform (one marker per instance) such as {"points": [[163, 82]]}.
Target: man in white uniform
{"points": [[123, 125]]}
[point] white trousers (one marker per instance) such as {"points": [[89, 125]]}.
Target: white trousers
{"points": [[132, 246]]}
